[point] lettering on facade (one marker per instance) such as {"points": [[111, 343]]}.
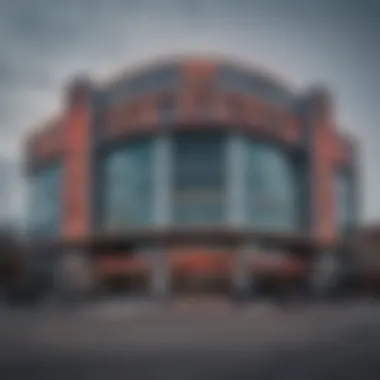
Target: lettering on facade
{"points": [[214, 107]]}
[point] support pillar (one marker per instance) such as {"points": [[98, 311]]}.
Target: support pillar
{"points": [[236, 159], [241, 275], [162, 180], [160, 280], [74, 277], [323, 274]]}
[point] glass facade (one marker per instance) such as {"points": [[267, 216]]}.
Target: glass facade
{"points": [[127, 187], [199, 179], [44, 198], [271, 188], [274, 184], [197, 185], [343, 185]]}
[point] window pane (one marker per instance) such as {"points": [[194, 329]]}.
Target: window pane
{"points": [[199, 178], [271, 188], [128, 186]]}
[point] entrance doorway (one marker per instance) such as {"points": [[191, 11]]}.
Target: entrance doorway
{"points": [[201, 285], [126, 284]]}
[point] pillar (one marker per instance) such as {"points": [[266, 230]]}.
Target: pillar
{"points": [[76, 191], [242, 274], [235, 180], [160, 280], [74, 278], [162, 180], [324, 274]]}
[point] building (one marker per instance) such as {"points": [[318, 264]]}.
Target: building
{"points": [[367, 263], [194, 174], [11, 195], [5, 190]]}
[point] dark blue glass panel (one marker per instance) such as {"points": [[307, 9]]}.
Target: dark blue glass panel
{"points": [[199, 179], [271, 188], [128, 186]]}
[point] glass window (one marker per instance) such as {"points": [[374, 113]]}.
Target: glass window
{"points": [[127, 188], [271, 188], [45, 202], [344, 200], [199, 178]]}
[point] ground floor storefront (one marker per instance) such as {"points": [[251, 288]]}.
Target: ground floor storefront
{"points": [[197, 265], [188, 270]]}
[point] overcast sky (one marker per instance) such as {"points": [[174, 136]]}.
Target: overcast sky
{"points": [[44, 42]]}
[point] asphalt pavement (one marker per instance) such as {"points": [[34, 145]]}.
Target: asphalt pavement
{"points": [[192, 340]]}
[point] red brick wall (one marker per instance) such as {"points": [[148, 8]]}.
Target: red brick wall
{"points": [[325, 227], [330, 152], [76, 185], [198, 92]]}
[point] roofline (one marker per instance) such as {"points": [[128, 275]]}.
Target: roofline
{"points": [[135, 69]]}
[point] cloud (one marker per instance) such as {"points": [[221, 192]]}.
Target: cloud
{"points": [[45, 42]]}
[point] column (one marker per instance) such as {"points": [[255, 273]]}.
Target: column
{"points": [[160, 280], [323, 274], [236, 194], [74, 278], [162, 180], [242, 274], [77, 141]]}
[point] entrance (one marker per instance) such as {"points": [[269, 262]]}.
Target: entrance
{"points": [[126, 284], [199, 271], [201, 285]]}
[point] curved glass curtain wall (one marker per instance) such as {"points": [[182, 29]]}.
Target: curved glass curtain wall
{"points": [[44, 201], [199, 179], [271, 188], [127, 186], [198, 188]]}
